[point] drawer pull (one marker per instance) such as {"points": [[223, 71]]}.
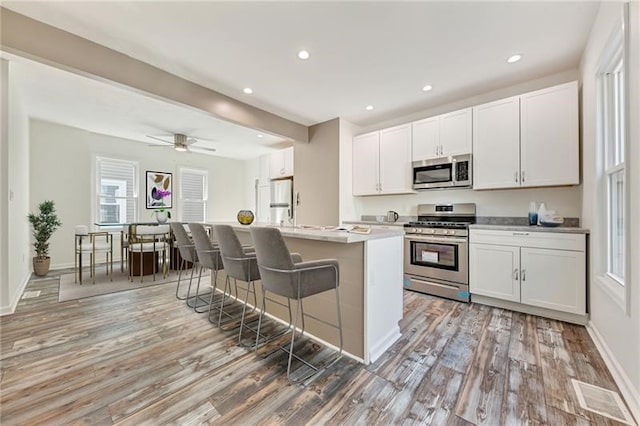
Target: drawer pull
{"points": [[515, 274], [524, 275]]}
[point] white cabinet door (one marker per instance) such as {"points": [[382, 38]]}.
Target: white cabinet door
{"points": [[395, 160], [366, 150], [553, 279], [456, 132], [549, 136], [426, 139], [494, 271], [496, 144], [287, 155], [276, 165], [281, 163]]}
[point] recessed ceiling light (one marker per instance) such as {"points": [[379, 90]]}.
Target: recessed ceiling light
{"points": [[303, 54], [427, 88], [259, 135], [514, 58], [369, 107], [248, 90]]}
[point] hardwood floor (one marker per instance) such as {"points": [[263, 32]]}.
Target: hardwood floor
{"points": [[141, 357]]}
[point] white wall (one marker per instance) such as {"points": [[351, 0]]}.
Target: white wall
{"points": [[617, 332], [15, 182], [62, 164], [5, 301], [350, 206]]}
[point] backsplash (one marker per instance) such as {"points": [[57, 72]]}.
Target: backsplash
{"points": [[569, 222]]}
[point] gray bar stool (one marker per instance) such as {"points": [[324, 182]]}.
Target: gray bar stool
{"points": [[240, 264], [283, 275], [188, 253], [208, 257]]}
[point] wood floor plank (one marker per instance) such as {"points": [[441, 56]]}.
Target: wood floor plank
{"points": [[142, 357]]}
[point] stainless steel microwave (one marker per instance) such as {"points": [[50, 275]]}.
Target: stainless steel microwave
{"points": [[445, 172]]}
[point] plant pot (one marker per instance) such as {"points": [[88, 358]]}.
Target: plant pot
{"points": [[41, 265], [162, 217]]}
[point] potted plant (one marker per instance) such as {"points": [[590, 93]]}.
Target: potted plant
{"points": [[44, 224], [162, 213]]}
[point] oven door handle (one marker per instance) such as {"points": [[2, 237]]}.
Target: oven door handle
{"points": [[436, 239]]}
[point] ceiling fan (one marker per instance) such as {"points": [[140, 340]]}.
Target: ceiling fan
{"points": [[181, 143]]}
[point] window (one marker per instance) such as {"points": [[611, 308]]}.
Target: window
{"points": [[116, 190], [193, 195], [611, 119]]}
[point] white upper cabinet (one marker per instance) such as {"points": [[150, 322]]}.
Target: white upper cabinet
{"points": [[527, 140], [496, 148], [382, 162], [549, 136], [443, 135], [456, 132], [281, 163], [366, 154], [426, 138], [395, 160]]}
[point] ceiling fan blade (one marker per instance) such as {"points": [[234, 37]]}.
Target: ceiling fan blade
{"points": [[201, 149], [159, 139], [191, 141], [153, 145]]}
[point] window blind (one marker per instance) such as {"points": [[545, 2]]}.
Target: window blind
{"points": [[116, 189], [193, 195]]}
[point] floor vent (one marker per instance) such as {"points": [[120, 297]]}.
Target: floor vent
{"points": [[602, 401], [30, 294]]}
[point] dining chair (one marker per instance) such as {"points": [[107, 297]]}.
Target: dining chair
{"points": [[92, 243], [145, 239]]}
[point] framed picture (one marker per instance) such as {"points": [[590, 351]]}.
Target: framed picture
{"points": [[158, 190]]}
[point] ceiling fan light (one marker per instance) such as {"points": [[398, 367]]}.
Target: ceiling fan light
{"points": [[180, 148]]}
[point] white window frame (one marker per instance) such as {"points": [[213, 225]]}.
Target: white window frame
{"points": [[613, 59], [97, 189], [205, 194]]}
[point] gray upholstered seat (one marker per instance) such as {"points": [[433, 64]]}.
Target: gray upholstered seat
{"points": [[240, 264], [188, 253], [288, 276], [208, 257]]}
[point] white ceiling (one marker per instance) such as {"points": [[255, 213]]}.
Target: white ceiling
{"points": [[378, 53]]}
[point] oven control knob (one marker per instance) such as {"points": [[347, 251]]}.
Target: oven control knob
{"points": [[452, 232], [431, 231]]}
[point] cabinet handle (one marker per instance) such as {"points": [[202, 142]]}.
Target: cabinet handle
{"points": [[520, 233], [522, 178], [437, 149], [441, 150], [380, 187], [524, 274], [515, 176], [515, 274]]}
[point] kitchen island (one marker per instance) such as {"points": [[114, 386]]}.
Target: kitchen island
{"points": [[370, 286]]}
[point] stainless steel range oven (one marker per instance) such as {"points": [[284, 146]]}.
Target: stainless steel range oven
{"points": [[436, 250]]}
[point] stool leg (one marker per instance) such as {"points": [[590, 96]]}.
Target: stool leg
{"points": [[244, 310], [293, 337], [339, 316], [179, 277], [227, 285], [260, 320]]}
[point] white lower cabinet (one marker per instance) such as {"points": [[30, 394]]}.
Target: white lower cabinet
{"points": [[494, 271], [531, 269]]}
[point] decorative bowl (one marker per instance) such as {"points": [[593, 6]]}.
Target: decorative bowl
{"points": [[245, 217], [551, 221]]}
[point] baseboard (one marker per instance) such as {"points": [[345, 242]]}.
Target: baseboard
{"points": [[532, 310], [10, 309], [629, 393], [384, 344]]}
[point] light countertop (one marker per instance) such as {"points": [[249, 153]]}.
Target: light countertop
{"points": [[374, 223], [321, 233], [526, 228]]}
